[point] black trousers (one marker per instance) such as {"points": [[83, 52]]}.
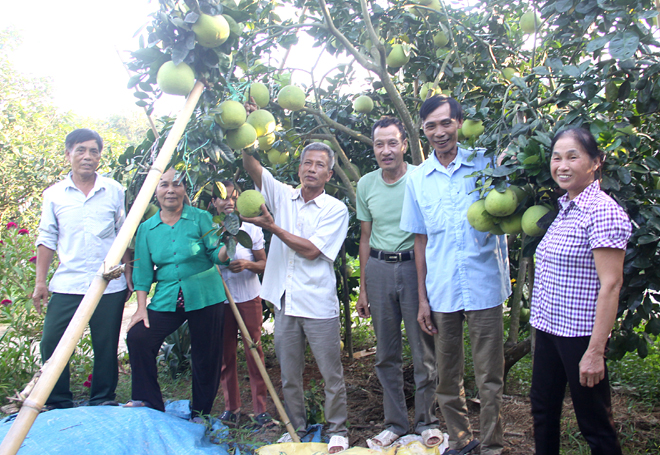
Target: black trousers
{"points": [[556, 362], [144, 344]]}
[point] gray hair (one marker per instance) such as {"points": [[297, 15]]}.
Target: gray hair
{"points": [[321, 147]]}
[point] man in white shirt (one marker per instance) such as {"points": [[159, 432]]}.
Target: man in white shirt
{"points": [[80, 218], [309, 228]]}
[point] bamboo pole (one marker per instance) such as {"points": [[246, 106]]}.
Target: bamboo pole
{"points": [[247, 341], [53, 368]]}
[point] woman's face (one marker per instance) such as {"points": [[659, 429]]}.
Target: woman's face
{"points": [[170, 192], [226, 205], [571, 166]]}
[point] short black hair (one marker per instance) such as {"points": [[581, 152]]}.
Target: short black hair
{"points": [[431, 104], [82, 135], [387, 120], [586, 140]]}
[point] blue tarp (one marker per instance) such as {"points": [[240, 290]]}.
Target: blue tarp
{"points": [[108, 430]]}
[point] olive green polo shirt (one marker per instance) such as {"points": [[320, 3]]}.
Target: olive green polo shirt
{"points": [[183, 258]]}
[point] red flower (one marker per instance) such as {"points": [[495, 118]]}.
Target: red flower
{"points": [[1, 242], [33, 259], [23, 231], [89, 378], [6, 302], [87, 384], [12, 225]]}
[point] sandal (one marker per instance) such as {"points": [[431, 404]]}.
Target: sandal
{"points": [[337, 444], [262, 420], [229, 418], [465, 450], [432, 437], [384, 439], [137, 404]]}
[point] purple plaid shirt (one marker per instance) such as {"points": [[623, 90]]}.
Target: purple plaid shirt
{"points": [[566, 283]]}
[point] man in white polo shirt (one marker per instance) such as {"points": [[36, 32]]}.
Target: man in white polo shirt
{"points": [[309, 228]]}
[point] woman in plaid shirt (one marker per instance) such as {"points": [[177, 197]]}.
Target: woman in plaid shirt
{"points": [[579, 272]]}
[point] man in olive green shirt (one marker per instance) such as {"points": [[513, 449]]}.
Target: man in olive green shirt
{"points": [[388, 288]]}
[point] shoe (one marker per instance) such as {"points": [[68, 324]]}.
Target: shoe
{"points": [[229, 418], [137, 404], [384, 439], [465, 450], [262, 420], [432, 434], [337, 444]]}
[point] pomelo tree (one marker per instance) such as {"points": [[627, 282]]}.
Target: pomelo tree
{"points": [[589, 63]]}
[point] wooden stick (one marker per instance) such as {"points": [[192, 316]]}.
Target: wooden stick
{"points": [[247, 341], [53, 368]]}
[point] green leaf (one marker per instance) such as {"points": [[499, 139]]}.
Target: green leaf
{"points": [[624, 45], [231, 247], [597, 43], [232, 223], [244, 239]]}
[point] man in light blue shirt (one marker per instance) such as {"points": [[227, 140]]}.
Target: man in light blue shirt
{"points": [[463, 275]]}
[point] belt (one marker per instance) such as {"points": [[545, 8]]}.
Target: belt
{"points": [[392, 257]]}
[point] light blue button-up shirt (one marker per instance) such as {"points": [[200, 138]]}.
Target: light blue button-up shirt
{"points": [[466, 269]]}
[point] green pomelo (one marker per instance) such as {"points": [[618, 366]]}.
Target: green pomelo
{"points": [[397, 57], [260, 93], [509, 73], [440, 39], [241, 137], [501, 204], [520, 193], [233, 114], [291, 98], [151, 210], [275, 157], [331, 189], [266, 141], [512, 224], [427, 91], [262, 121], [363, 104], [472, 128], [175, 79], [497, 230], [479, 218], [234, 28], [211, 31], [460, 135], [529, 219], [529, 22], [249, 203]]}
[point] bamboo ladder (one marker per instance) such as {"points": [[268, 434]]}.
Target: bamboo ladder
{"points": [[52, 369]]}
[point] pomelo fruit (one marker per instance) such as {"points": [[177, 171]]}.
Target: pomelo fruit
{"points": [[363, 104], [291, 97], [512, 224], [497, 230], [472, 128], [427, 91], [260, 93], [241, 137], [397, 57], [501, 204], [529, 22], [234, 28], [211, 31], [232, 116], [249, 203], [479, 218], [440, 39], [266, 141], [509, 73], [175, 79], [531, 217], [262, 121], [275, 157]]}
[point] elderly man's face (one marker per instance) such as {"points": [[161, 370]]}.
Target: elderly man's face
{"points": [[84, 158]]}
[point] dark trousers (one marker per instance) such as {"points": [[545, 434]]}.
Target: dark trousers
{"points": [[104, 325], [206, 327], [556, 362]]}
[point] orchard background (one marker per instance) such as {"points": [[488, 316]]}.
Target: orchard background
{"points": [[590, 63]]}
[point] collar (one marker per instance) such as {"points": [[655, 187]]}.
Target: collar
{"points": [[186, 214], [320, 200], [459, 160], [99, 183], [583, 199]]}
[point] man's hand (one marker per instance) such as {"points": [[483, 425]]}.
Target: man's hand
{"points": [[238, 265], [362, 305], [139, 315], [264, 221], [40, 296], [424, 318], [592, 368]]}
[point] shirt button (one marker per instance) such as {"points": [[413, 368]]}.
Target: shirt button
{"points": [[174, 254], [176, 266]]}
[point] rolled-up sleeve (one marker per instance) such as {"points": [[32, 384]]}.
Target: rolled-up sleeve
{"points": [[143, 267], [48, 228], [411, 217]]}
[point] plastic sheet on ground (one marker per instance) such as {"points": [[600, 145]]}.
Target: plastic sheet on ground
{"points": [[110, 430]]}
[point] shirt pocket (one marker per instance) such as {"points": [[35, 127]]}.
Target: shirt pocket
{"points": [[434, 216], [103, 224]]}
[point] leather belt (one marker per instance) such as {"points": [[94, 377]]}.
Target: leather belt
{"points": [[392, 257]]}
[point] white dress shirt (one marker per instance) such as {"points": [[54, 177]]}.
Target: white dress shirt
{"points": [[245, 284], [81, 229], [310, 285]]}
